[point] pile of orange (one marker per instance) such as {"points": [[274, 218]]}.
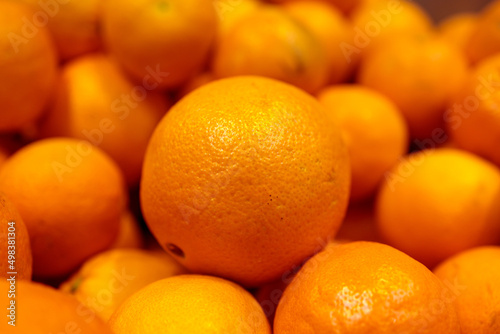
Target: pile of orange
{"points": [[249, 166]]}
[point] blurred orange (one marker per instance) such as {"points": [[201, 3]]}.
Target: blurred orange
{"points": [[436, 203], [485, 38], [473, 119], [96, 102], [28, 66], [168, 41], [420, 74], [70, 197], [270, 43], [130, 233], [331, 29], [74, 25], [374, 131], [457, 29]]}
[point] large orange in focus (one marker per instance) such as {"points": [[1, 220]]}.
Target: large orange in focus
{"points": [[15, 249], [436, 203], [169, 39], [421, 74], [28, 67], [271, 43], [74, 25], [96, 102], [473, 119], [70, 196], [244, 178], [475, 273], [374, 130], [363, 288], [190, 304], [40, 309]]}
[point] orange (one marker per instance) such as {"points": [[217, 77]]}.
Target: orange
{"points": [[130, 234], [73, 24], [473, 119], [107, 279], [269, 296], [40, 309], [436, 203], [380, 20], [331, 29], [365, 287], [359, 224], [96, 102], [476, 276], [420, 74], [346, 6], [28, 66], [374, 130], [70, 197], [458, 28], [190, 304], [167, 40], [230, 12], [15, 247], [271, 43], [485, 38], [243, 177]]}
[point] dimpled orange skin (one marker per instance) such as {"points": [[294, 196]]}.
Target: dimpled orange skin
{"points": [[365, 287], [96, 101], [14, 239], [28, 68], [473, 119], [246, 176], [70, 215], [375, 133], [190, 304], [168, 36], [421, 74], [41, 309], [270, 42], [436, 203], [477, 275]]}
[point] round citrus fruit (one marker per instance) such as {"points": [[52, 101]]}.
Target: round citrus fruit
{"points": [[28, 66], [271, 43], [365, 287], [190, 304], [475, 275], [96, 102], [436, 203], [107, 279], [244, 177], [473, 119], [421, 74], [70, 196], [39, 309], [167, 40], [374, 131]]}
